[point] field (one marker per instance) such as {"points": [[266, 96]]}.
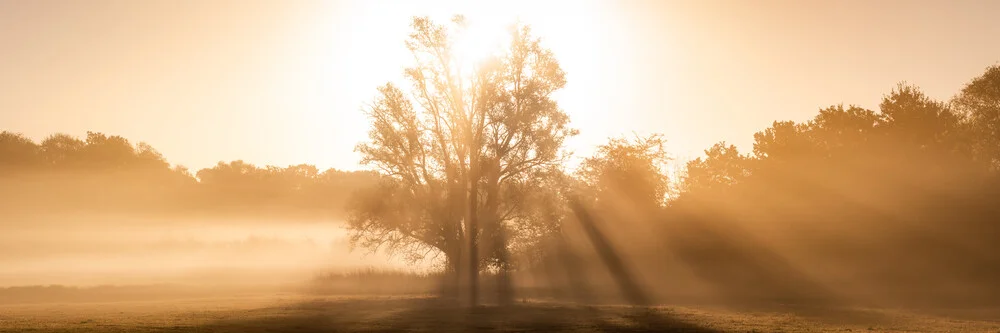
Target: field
{"points": [[289, 312]]}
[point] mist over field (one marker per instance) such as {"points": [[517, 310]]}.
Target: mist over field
{"points": [[76, 250], [523, 166]]}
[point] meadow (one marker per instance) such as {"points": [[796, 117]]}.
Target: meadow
{"points": [[281, 312], [337, 303]]}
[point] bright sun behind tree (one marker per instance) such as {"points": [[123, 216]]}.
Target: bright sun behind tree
{"points": [[577, 32], [478, 42]]}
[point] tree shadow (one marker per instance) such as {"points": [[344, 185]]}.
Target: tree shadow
{"points": [[442, 315]]}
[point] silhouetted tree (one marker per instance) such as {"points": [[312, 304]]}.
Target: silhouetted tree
{"points": [[979, 102], [62, 151], [722, 166], [108, 152], [912, 119], [460, 143], [836, 130], [17, 152], [627, 175]]}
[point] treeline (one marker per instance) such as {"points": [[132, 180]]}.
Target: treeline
{"points": [[900, 203], [108, 174]]}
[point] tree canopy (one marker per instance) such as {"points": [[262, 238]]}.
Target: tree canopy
{"points": [[461, 146]]}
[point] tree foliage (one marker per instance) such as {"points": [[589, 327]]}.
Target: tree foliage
{"points": [[979, 103], [461, 140], [627, 174]]}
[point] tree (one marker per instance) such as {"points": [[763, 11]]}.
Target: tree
{"points": [[911, 118], [460, 145], [627, 175], [62, 151], [837, 129], [17, 151], [783, 140], [624, 182], [979, 102], [148, 157], [108, 152], [722, 166]]}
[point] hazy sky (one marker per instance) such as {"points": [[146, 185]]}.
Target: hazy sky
{"points": [[283, 82]]}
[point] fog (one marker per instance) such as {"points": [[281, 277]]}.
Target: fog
{"points": [[471, 211], [87, 251]]}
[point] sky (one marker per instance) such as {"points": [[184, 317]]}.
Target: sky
{"points": [[285, 82]]}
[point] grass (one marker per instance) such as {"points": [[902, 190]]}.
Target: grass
{"points": [[373, 281], [287, 312], [391, 301]]}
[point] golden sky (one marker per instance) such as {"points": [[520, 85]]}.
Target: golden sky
{"points": [[283, 82]]}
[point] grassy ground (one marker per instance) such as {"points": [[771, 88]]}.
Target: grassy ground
{"points": [[292, 313]]}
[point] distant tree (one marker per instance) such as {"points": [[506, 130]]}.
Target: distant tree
{"points": [[233, 183], [300, 176], [722, 166], [182, 170], [457, 146], [148, 158], [979, 102], [627, 175], [105, 152], [783, 140], [227, 173], [912, 119], [18, 152], [62, 151], [836, 132], [838, 129], [332, 189]]}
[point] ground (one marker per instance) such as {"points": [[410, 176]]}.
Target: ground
{"points": [[293, 313]]}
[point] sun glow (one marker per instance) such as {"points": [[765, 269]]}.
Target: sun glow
{"points": [[584, 35], [479, 42]]}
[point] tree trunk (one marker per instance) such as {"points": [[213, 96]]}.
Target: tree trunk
{"points": [[505, 288], [472, 221], [473, 232], [453, 273], [497, 235]]}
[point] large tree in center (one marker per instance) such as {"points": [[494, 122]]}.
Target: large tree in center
{"points": [[460, 147]]}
